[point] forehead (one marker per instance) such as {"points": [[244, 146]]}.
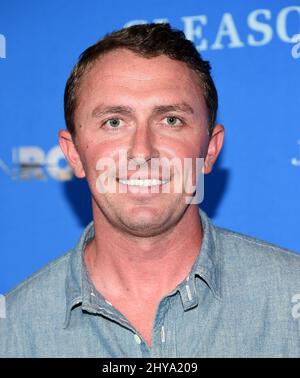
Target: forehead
{"points": [[124, 78], [124, 68]]}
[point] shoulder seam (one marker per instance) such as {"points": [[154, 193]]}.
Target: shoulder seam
{"points": [[257, 242]]}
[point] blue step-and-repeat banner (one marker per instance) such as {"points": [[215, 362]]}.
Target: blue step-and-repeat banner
{"points": [[254, 49]]}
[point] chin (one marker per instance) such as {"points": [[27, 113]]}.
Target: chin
{"points": [[144, 229], [144, 224]]}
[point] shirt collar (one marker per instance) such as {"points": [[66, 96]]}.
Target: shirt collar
{"points": [[207, 266], [76, 274], [80, 291]]}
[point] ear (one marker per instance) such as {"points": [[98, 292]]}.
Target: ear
{"points": [[214, 147], [69, 149]]}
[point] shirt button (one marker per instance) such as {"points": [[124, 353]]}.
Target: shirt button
{"points": [[137, 339]]}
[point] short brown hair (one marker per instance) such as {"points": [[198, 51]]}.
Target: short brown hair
{"points": [[147, 40]]}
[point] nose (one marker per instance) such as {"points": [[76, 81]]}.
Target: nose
{"points": [[142, 147]]}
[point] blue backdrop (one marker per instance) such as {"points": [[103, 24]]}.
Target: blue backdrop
{"points": [[255, 54]]}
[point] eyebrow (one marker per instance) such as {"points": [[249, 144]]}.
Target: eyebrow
{"points": [[101, 110], [181, 108]]}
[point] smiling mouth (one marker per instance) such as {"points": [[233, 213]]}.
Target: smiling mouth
{"points": [[143, 182]]}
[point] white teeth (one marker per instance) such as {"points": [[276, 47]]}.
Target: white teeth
{"points": [[146, 182]]}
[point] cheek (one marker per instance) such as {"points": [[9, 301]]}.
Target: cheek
{"points": [[92, 150], [191, 147], [199, 145], [190, 142], [100, 160]]}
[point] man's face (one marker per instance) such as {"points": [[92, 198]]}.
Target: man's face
{"points": [[147, 109]]}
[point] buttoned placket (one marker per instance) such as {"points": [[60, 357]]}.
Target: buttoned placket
{"points": [[164, 328]]}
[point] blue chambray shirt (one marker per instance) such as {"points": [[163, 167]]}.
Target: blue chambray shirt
{"points": [[241, 299]]}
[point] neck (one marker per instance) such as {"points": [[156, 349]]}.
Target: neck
{"points": [[143, 267]]}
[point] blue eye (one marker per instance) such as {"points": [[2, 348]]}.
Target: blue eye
{"points": [[114, 122], [173, 121]]}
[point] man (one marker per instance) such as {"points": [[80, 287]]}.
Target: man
{"points": [[151, 276]]}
